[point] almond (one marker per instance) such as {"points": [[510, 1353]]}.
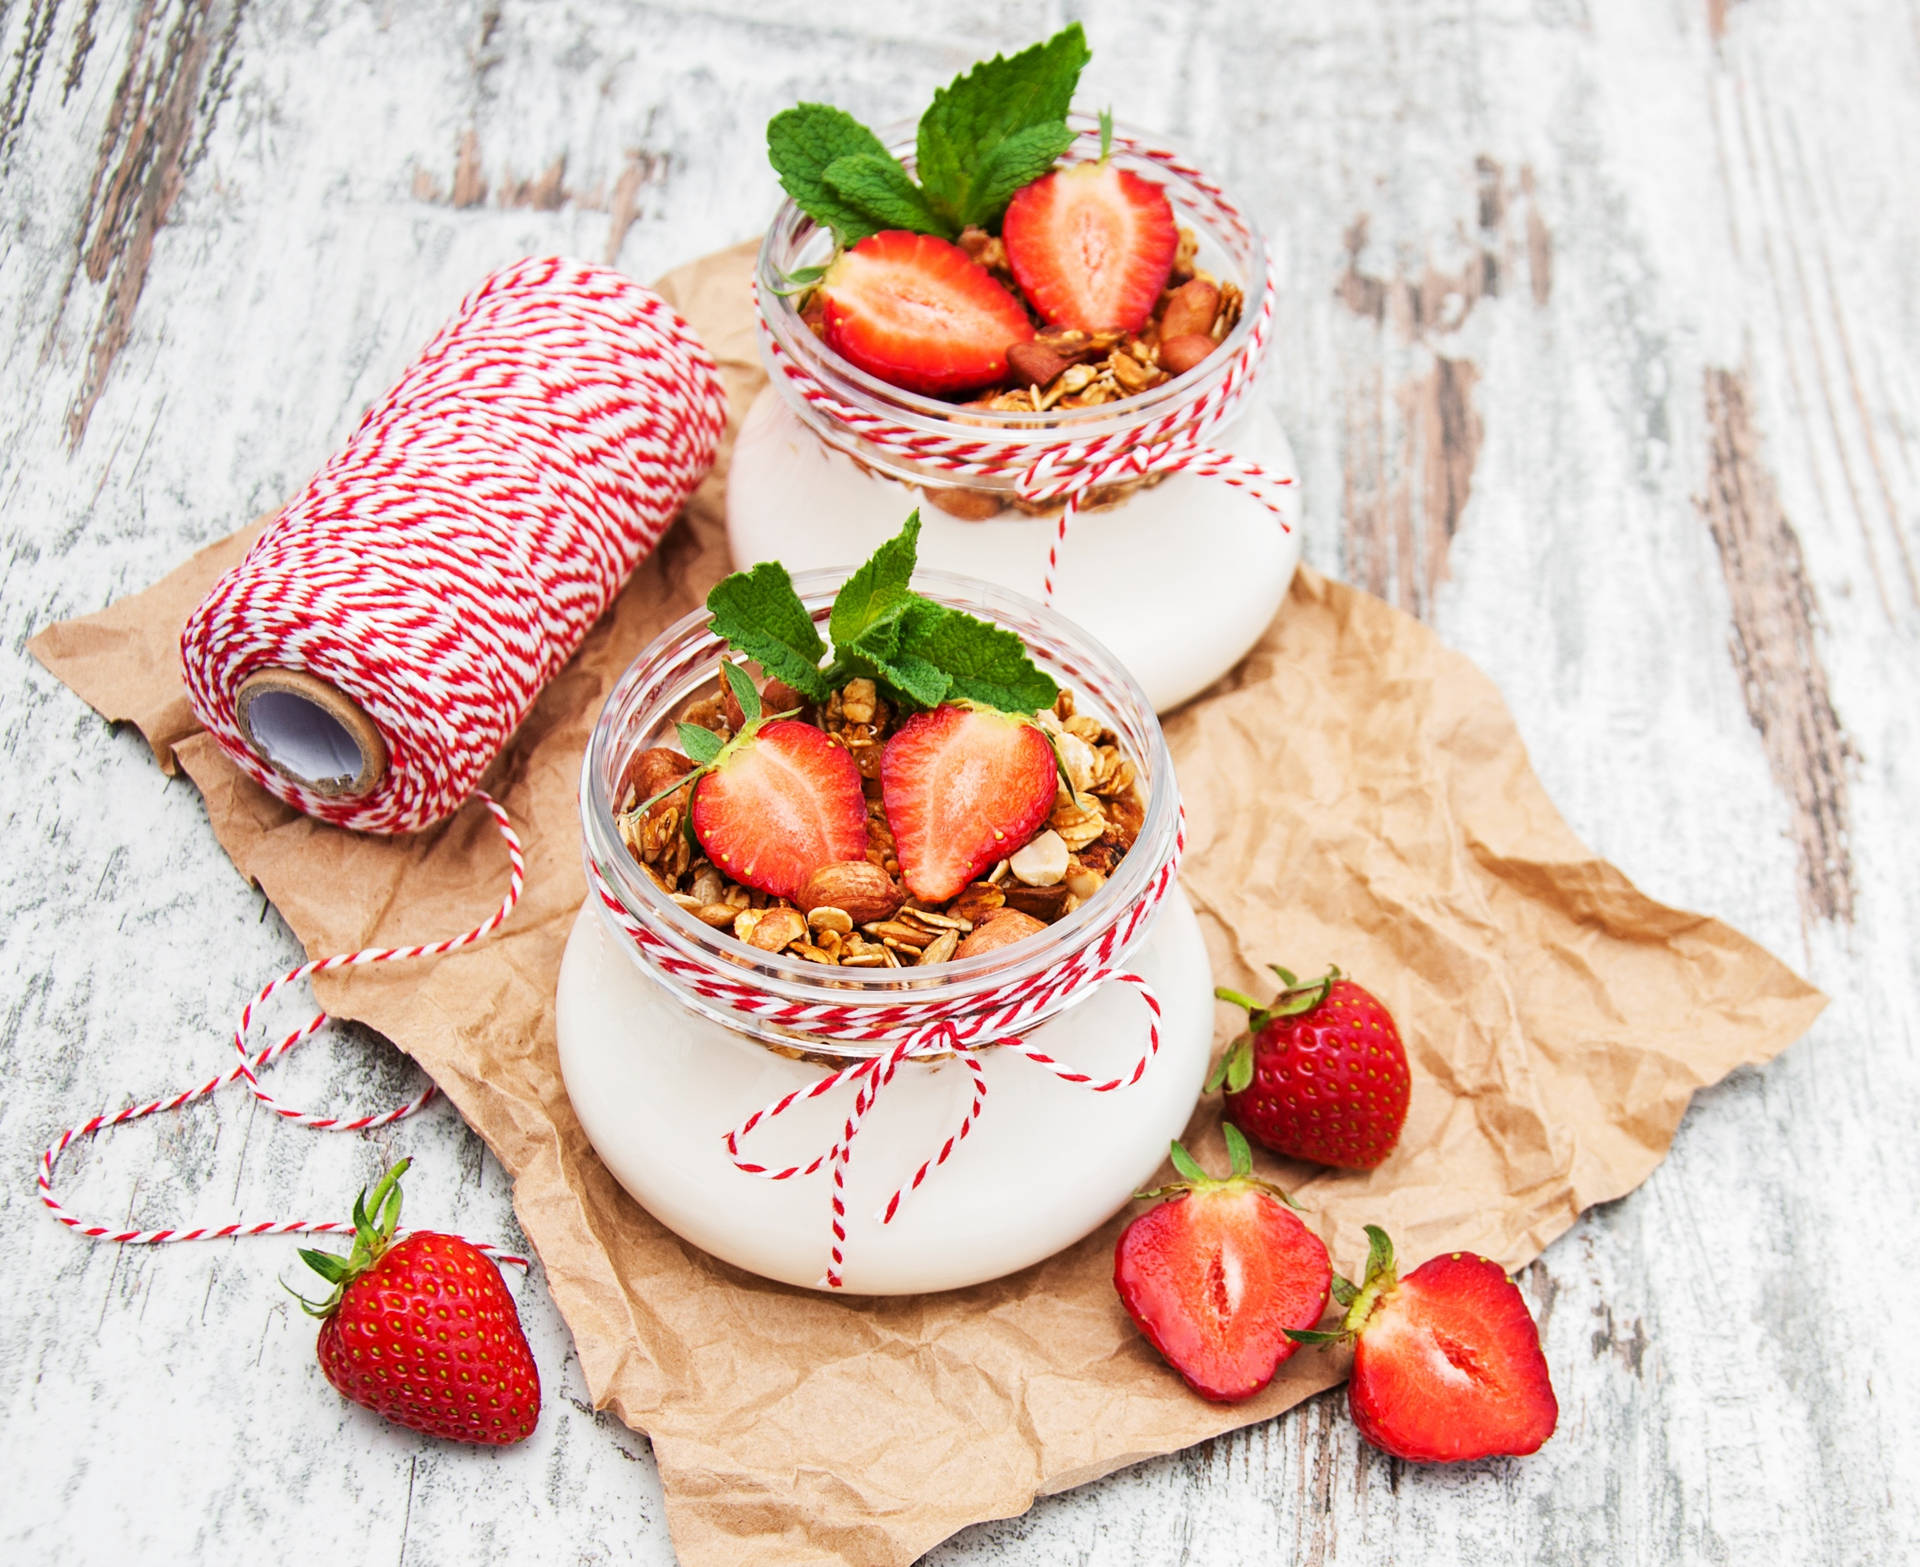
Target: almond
{"points": [[967, 505], [1190, 311], [1178, 355], [1000, 929], [860, 887], [776, 696]]}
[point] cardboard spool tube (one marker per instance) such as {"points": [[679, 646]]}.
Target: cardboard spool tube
{"points": [[308, 731]]}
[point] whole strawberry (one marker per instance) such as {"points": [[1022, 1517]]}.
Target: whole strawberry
{"points": [[1217, 1277], [1446, 1361], [422, 1330], [1320, 1073]]}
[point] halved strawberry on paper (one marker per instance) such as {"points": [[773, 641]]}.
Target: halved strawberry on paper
{"points": [[780, 801], [963, 787], [920, 314], [1218, 1277], [1092, 246]]}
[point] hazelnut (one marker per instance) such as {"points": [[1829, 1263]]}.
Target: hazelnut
{"points": [[651, 771]]}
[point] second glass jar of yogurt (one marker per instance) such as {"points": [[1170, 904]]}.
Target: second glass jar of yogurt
{"points": [[1177, 571]]}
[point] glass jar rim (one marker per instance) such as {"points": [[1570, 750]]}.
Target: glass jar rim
{"points": [[1215, 216], [682, 660]]}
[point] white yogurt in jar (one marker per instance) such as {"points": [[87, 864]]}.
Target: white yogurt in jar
{"points": [[657, 1087], [1180, 579]]}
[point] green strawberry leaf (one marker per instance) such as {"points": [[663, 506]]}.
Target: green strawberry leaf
{"points": [[1315, 1336], [1345, 1291], [802, 144], [1237, 1149], [1106, 133], [760, 615], [1286, 975], [330, 1267], [703, 745], [876, 186], [971, 117], [744, 691], [1240, 1066], [878, 593], [988, 664], [1379, 1254], [1185, 1163]]}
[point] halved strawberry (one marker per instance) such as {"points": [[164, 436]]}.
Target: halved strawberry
{"points": [[1216, 1278], [963, 787], [1092, 246], [1446, 1362], [779, 802], [920, 313]]}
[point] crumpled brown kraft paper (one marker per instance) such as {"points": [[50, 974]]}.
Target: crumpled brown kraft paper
{"points": [[1355, 792]]}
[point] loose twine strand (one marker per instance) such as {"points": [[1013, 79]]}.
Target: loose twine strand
{"points": [[914, 1031], [438, 571]]}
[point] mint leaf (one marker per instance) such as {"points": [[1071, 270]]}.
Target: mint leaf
{"points": [[743, 690], [909, 678], [760, 615], [877, 593], [879, 188], [1016, 163], [802, 142], [703, 745], [971, 117], [985, 663]]}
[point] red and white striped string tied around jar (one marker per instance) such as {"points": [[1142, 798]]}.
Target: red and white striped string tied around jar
{"points": [[1071, 470], [371, 656]]}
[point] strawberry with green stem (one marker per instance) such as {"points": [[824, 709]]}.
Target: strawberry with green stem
{"points": [[422, 1329], [1320, 1074], [1218, 1276], [1447, 1364]]}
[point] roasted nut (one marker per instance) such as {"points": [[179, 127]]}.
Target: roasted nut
{"points": [[1035, 364], [860, 887], [1190, 309], [828, 918], [718, 915], [745, 922], [1084, 726], [856, 701], [1045, 904], [1083, 881], [651, 771], [729, 703], [967, 505], [1132, 375], [1001, 930], [1041, 862], [776, 928], [776, 696], [1178, 355]]}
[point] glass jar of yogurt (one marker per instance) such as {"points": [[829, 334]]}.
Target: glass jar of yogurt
{"points": [[660, 1069], [1178, 573]]}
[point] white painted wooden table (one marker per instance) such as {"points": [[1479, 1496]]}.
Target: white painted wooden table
{"points": [[1597, 343]]}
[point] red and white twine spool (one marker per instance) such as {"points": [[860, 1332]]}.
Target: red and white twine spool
{"points": [[1064, 467], [435, 574], [911, 1030], [446, 562]]}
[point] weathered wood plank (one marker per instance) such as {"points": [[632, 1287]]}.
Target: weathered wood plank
{"points": [[1597, 345]]}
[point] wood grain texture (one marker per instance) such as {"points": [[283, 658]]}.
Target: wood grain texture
{"points": [[1633, 294]]}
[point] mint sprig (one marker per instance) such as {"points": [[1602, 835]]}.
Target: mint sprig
{"points": [[967, 130], [992, 130], [919, 652]]}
